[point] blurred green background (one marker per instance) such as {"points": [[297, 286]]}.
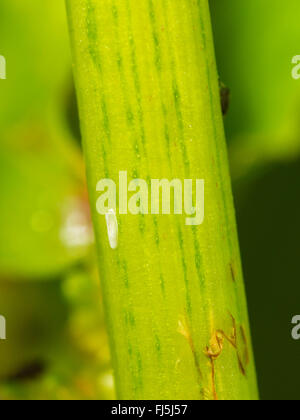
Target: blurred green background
{"points": [[49, 288]]}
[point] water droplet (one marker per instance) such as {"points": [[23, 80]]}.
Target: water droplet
{"points": [[112, 228]]}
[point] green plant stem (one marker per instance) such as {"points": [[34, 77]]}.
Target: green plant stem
{"points": [[150, 105]]}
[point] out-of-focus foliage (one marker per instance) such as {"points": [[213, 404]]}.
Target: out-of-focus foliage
{"points": [[40, 169], [49, 292], [255, 43], [64, 352]]}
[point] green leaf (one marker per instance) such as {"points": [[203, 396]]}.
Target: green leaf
{"points": [[43, 201]]}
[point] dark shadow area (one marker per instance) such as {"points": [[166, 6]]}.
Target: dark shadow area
{"points": [[268, 218], [72, 115]]}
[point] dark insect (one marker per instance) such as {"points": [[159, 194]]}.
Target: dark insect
{"points": [[225, 97], [30, 372]]}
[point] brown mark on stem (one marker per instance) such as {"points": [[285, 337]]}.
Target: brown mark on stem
{"points": [[232, 270], [184, 330], [232, 340], [245, 342], [213, 352]]}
